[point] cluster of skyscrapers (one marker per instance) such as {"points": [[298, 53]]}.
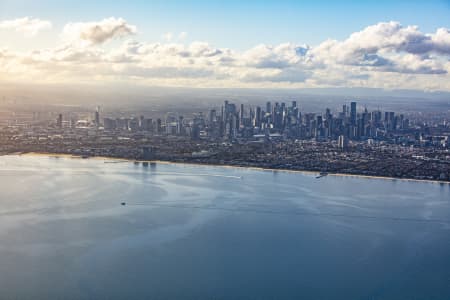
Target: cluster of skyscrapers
{"points": [[231, 122], [287, 120]]}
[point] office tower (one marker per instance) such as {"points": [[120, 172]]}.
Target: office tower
{"points": [[212, 116], [234, 126], [180, 126], [251, 118], [283, 115], [109, 124], [376, 117], [122, 123], [196, 124], [342, 142], [344, 110], [268, 107], [328, 115], [319, 121], [359, 128], [97, 117], [405, 124], [258, 117], [241, 116], [59, 121], [389, 120], [141, 122], [148, 125], [158, 126], [133, 124], [353, 113]]}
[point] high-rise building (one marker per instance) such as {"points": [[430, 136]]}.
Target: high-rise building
{"points": [[353, 113], [109, 124], [158, 126], [133, 124], [141, 122], [212, 116], [59, 121], [268, 107], [148, 125], [344, 110], [342, 142], [97, 117], [258, 117], [180, 128], [241, 115], [122, 123]]}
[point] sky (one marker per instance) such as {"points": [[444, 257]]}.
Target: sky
{"points": [[293, 44]]}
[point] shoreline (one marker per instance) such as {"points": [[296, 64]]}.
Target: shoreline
{"points": [[63, 155]]}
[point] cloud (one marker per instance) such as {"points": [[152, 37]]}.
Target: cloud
{"points": [[384, 38], [28, 26], [388, 47], [95, 33], [385, 55], [441, 41], [285, 75], [415, 64], [168, 36], [163, 72], [281, 56], [182, 36]]}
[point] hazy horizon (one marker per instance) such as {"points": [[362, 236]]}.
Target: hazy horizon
{"points": [[135, 98]]}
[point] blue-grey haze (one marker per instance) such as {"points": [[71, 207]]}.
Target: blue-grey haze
{"points": [[204, 232]]}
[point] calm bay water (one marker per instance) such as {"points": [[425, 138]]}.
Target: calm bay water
{"points": [[200, 232]]}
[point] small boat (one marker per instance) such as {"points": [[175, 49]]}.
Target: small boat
{"points": [[322, 174], [123, 203]]}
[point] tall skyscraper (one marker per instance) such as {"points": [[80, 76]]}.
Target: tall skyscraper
{"points": [[268, 107], [159, 126], [342, 142], [241, 115], [353, 113], [258, 117], [212, 116], [97, 117], [59, 121]]}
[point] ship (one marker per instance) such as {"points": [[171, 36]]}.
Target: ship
{"points": [[322, 174]]}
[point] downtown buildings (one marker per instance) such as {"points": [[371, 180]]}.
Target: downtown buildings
{"points": [[231, 122]]}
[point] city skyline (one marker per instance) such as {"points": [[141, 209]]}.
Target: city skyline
{"points": [[280, 135], [275, 45], [231, 121]]}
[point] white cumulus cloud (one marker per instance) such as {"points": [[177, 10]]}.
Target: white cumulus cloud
{"points": [[94, 33], [26, 25], [384, 55]]}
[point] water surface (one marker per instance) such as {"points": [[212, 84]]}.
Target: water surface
{"points": [[202, 232]]}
